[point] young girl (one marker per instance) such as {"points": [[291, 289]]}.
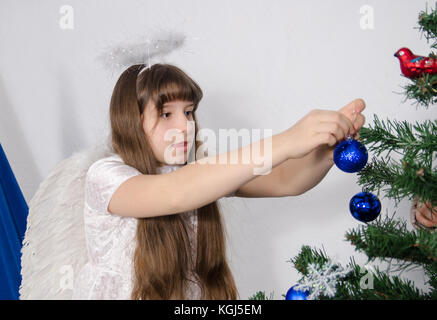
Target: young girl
{"points": [[153, 228]]}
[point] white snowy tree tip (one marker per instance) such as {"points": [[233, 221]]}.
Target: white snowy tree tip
{"points": [[322, 280]]}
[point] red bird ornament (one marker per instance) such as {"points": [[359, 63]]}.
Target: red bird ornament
{"points": [[413, 66]]}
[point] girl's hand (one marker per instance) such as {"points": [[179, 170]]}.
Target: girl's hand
{"points": [[426, 216], [323, 128], [353, 112]]}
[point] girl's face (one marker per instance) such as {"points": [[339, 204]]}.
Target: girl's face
{"points": [[175, 125]]}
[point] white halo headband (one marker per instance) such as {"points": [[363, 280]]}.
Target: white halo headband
{"points": [[121, 56]]}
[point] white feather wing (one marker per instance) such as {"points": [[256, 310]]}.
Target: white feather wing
{"points": [[54, 247]]}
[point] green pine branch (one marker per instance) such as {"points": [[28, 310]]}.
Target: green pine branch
{"points": [[261, 295], [308, 256], [351, 286], [383, 287], [416, 141], [428, 25], [422, 90], [410, 176], [389, 239]]}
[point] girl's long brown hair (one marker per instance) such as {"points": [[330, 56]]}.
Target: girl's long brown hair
{"points": [[162, 258]]}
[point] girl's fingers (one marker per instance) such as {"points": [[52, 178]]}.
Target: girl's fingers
{"points": [[424, 221], [359, 122], [339, 118], [324, 138], [331, 128], [346, 124], [425, 210], [424, 215], [355, 106], [353, 112], [349, 124]]}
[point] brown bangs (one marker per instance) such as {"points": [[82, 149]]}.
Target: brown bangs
{"points": [[169, 84]]}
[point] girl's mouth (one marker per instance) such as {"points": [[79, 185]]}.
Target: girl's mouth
{"points": [[181, 145]]}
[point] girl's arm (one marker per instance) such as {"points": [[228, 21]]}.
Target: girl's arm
{"points": [[198, 183], [292, 177], [202, 182], [297, 176]]}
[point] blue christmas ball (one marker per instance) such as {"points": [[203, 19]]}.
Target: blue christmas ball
{"points": [[365, 206], [293, 294], [350, 155]]}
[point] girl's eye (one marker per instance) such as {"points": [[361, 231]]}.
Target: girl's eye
{"points": [[168, 113]]}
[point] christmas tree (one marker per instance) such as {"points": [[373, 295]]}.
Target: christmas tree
{"points": [[413, 177]]}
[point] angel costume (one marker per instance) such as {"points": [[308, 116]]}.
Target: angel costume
{"points": [[74, 248], [88, 252], [110, 238]]}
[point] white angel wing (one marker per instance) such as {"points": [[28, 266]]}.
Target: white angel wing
{"points": [[54, 248]]}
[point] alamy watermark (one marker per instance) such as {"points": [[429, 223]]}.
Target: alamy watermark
{"points": [[66, 21], [367, 20], [256, 150], [366, 281], [67, 277]]}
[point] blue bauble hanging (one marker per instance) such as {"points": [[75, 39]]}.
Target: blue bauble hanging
{"points": [[365, 206], [350, 155], [293, 294]]}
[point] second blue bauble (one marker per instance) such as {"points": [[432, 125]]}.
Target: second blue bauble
{"points": [[350, 155], [365, 206]]}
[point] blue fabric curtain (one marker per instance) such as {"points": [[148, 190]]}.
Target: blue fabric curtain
{"points": [[13, 218]]}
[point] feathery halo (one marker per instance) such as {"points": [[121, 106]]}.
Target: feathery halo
{"points": [[121, 56]]}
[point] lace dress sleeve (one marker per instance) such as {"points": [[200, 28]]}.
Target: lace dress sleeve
{"points": [[109, 237], [103, 178]]}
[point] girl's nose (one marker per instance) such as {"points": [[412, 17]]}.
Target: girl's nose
{"points": [[182, 120], [182, 123]]}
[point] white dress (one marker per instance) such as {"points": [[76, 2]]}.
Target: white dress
{"points": [[111, 239]]}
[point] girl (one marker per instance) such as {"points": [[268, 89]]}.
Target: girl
{"points": [[153, 228]]}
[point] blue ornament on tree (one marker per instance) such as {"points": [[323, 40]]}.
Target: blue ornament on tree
{"points": [[293, 294], [365, 206], [350, 155]]}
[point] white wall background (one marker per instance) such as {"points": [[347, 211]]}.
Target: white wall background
{"points": [[261, 64]]}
